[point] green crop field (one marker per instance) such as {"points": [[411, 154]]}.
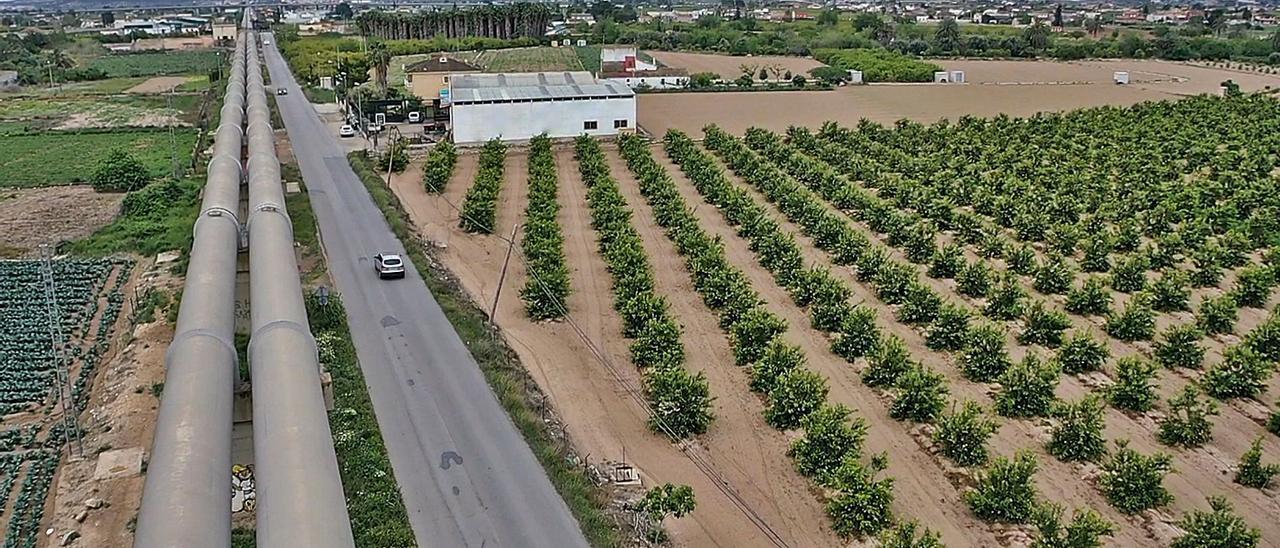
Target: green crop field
{"points": [[58, 158], [30, 445], [151, 64], [538, 59]]}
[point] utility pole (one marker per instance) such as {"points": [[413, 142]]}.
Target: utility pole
{"points": [[173, 141], [62, 377], [511, 244]]}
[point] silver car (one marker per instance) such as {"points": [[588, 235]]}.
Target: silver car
{"points": [[388, 265]]}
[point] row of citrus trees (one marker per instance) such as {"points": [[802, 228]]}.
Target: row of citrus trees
{"points": [[1171, 292], [478, 206], [1026, 388], [830, 450], [438, 168], [680, 402], [546, 288], [1243, 372]]}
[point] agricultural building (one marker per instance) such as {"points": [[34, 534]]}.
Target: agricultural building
{"points": [[629, 67], [518, 106], [429, 79]]}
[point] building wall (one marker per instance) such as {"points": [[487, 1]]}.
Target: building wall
{"points": [[224, 32], [655, 82], [476, 123], [427, 85]]}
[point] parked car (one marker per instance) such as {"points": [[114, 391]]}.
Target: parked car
{"points": [[388, 265], [415, 117], [346, 131]]}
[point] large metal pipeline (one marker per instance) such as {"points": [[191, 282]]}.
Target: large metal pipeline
{"points": [[300, 501], [186, 501]]}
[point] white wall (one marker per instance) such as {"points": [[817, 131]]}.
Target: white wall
{"points": [[476, 123], [655, 82]]}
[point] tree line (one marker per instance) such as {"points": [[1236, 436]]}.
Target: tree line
{"points": [[519, 20]]}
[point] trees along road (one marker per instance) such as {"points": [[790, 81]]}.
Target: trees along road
{"points": [[467, 476]]}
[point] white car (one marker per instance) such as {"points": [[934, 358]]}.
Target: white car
{"points": [[346, 131], [415, 117], [388, 265]]}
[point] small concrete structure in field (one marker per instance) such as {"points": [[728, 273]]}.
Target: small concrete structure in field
{"points": [[1120, 77], [855, 77], [957, 77], [118, 463], [941, 77]]}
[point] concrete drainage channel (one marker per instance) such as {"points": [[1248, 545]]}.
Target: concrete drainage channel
{"points": [[186, 501]]}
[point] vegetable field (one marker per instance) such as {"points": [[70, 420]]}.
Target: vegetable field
{"points": [[68, 157], [153, 64], [90, 300], [911, 331]]}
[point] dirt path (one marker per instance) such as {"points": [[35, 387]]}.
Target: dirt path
{"points": [[1199, 472], [922, 490], [158, 84]]}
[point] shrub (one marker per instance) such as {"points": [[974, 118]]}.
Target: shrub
{"points": [[1179, 346], [751, 335], [858, 334], [962, 434], [1208, 272], [922, 305], [974, 280], [1219, 527], [1026, 389], [1077, 431], [1130, 275], [1242, 373], [1054, 276], [1022, 260], [1217, 315], [919, 395], [681, 401], [1005, 301], [946, 262], [1134, 389], [903, 535], [662, 501], [1171, 292], [796, 394], [1097, 254], [1082, 353], [984, 357], [779, 358], [1137, 322], [889, 361], [948, 330], [1043, 326], [1133, 482], [120, 172], [861, 505], [1265, 339], [1253, 286], [1251, 472], [1084, 531], [1005, 492], [829, 436], [1090, 299], [1187, 422], [481, 199]]}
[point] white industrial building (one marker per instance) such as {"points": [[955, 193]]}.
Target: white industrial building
{"points": [[519, 106]]}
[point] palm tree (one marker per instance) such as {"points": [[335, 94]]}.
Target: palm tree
{"points": [[1037, 35], [947, 37], [380, 56]]}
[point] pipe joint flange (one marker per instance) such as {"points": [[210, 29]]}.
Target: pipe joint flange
{"points": [[201, 334], [271, 207], [216, 213], [256, 336], [216, 157]]}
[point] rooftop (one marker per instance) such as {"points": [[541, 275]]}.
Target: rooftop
{"points": [[441, 64], [533, 86]]}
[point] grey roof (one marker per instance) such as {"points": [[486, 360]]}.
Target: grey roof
{"points": [[532, 86]]}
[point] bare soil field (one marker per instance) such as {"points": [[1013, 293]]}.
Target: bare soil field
{"points": [[727, 66], [186, 42], [158, 84], [734, 111], [30, 217]]}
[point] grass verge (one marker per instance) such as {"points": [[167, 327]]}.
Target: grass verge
{"points": [[501, 368]]}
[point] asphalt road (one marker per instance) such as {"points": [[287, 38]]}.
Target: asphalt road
{"points": [[466, 474]]}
